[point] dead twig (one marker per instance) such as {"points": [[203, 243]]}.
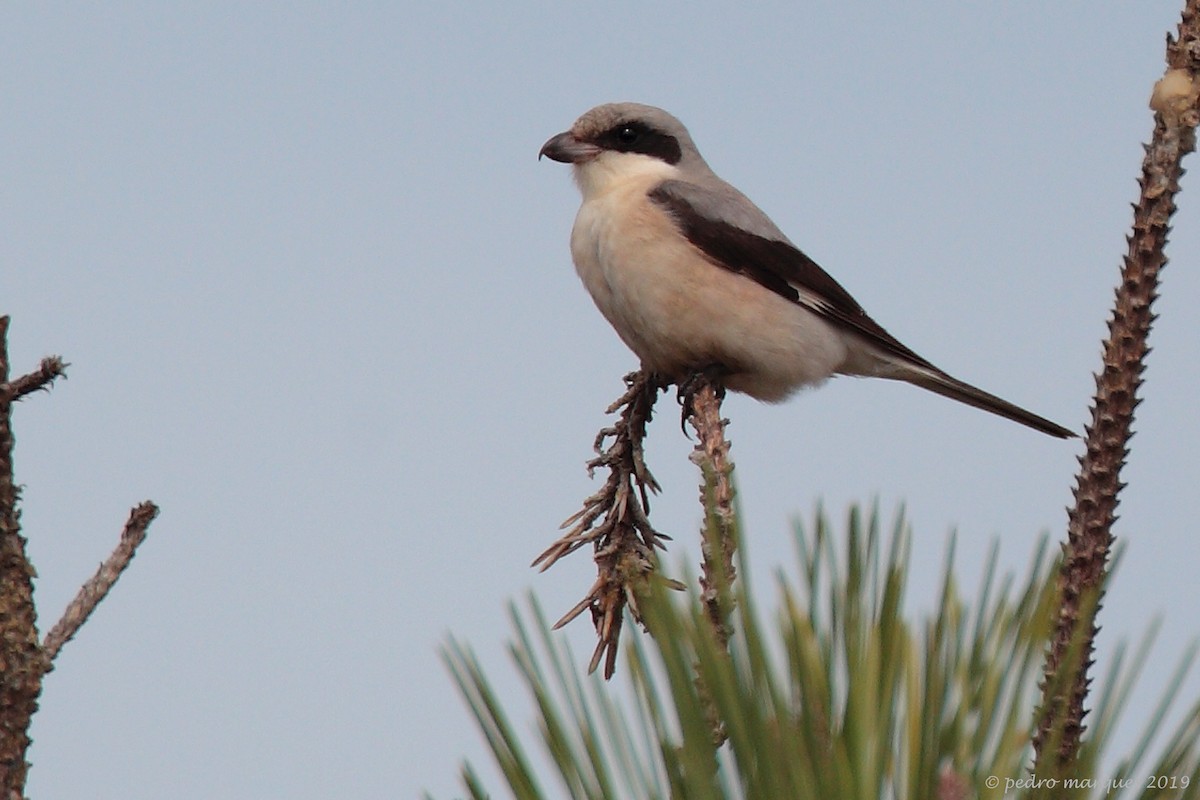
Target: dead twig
{"points": [[41, 379], [615, 521], [95, 590]]}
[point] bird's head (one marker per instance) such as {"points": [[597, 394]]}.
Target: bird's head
{"points": [[616, 142]]}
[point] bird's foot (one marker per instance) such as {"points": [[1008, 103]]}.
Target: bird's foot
{"points": [[712, 375]]}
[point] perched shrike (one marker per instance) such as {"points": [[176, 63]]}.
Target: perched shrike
{"points": [[694, 276]]}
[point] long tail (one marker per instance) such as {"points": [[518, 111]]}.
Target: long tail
{"points": [[943, 384]]}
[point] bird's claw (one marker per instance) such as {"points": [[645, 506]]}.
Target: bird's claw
{"points": [[693, 383]]}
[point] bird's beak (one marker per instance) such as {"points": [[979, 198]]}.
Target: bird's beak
{"points": [[566, 148]]}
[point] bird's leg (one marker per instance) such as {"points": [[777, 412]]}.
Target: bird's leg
{"points": [[712, 375]]}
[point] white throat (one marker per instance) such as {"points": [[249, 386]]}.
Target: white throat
{"points": [[610, 170]]}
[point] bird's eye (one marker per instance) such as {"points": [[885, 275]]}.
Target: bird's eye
{"points": [[628, 135]]}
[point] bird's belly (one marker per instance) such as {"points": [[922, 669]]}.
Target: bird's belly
{"points": [[680, 312]]}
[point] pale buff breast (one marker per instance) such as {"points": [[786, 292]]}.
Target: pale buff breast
{"points": [[679, 312]]}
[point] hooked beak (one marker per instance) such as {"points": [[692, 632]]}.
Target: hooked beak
{"points": [[567, 149]]}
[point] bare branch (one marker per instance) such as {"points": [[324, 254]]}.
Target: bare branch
{"points": [[41, 379], [101, 583], [25, 660]]}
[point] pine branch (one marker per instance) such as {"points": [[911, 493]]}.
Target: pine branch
{"points": [[1089, 529], [21, 658], [41, 379], [718, 543], [100, 584], [615, 521]]}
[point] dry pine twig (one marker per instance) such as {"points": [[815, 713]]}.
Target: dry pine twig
{"points": [[615, 521], [41, 379], [95, 590]]}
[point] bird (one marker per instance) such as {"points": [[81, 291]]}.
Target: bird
{"points": [[696, 279]]}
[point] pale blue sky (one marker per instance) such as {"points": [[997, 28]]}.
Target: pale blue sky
{"points": [[315, 289]]}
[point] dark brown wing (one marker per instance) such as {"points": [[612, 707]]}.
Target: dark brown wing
{"points": [[735, 235], [774, 263]]}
